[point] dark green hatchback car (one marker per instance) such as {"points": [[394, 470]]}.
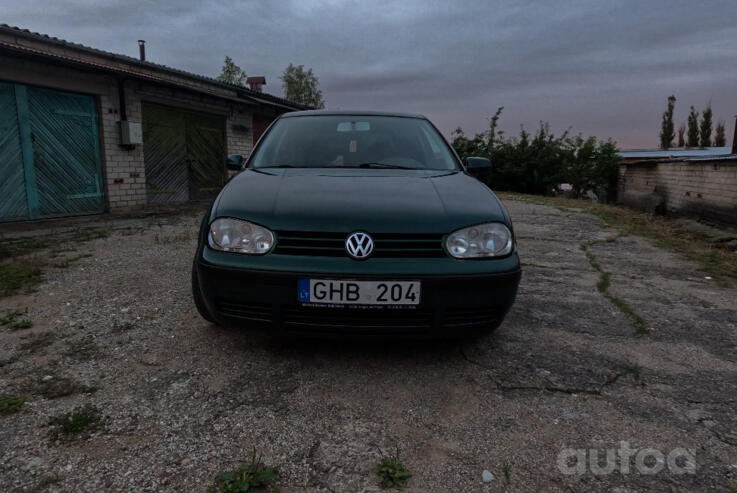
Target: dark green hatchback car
{"points": [[356, 224]]}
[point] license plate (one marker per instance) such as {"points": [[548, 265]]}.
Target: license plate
{"points": [[339, 292]]}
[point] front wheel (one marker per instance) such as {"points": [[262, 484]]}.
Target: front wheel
{"points": [[197, 296]]}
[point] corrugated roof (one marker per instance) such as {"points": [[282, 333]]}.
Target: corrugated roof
{"points": [[242, 91], [674, 153]]}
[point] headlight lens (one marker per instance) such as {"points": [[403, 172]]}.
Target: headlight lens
{"points": [[234, 235], [483, 240]]}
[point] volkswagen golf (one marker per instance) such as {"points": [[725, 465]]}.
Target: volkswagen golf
{"points": [[361, 224]]}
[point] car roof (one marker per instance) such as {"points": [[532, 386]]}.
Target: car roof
{"points": [[293, 114]]}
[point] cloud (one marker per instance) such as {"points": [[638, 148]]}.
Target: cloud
{"points": [[602, 68]]}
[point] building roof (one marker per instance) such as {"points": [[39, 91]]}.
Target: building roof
{"points": [[675, 153], [127, 65]]}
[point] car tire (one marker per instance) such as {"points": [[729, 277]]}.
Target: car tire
{"points": [[197, 296]]}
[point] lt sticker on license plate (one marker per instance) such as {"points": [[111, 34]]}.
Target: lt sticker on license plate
{"points": [[334, 292]]}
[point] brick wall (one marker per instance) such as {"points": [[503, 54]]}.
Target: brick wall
{"points": [[706, 189]]}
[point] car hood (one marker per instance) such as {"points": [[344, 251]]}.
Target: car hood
{"points": [[344, 200]]}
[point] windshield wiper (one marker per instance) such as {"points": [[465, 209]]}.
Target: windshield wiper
{"points": [[381, 165]]}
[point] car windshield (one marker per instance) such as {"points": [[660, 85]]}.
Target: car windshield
{"points": [[348, 141]]}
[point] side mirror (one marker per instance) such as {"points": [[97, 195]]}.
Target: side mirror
{"points": [[234, 162], [478, 165]]}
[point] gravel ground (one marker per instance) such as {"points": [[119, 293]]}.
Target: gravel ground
{"points": [[182, 400]]}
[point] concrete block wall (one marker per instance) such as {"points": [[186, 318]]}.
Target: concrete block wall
{"points": [[706, 189]]}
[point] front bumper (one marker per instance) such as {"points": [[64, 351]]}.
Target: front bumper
{"points": [[451, 304]]}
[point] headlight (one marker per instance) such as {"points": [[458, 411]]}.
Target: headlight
{"points": [[484, 240], [234, 235]]}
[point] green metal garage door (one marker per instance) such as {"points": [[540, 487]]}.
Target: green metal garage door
{"points": [[49, 153], [184, 153]]}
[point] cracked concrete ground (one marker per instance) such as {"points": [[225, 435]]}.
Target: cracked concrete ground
{"points": [[183, 400]]}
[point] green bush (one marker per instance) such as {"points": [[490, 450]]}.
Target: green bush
{"points": [[537, 163]]}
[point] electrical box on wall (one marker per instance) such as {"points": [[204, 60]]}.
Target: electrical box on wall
{"points": [[130, 133]]}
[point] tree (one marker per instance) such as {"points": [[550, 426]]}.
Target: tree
{"points": [[681, 133], [705, 127], [232, 73], [666, 127], [302, 86], [719, 138], [693, 128]]}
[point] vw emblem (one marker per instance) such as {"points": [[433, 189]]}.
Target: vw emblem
{"points": [[359, 245]]}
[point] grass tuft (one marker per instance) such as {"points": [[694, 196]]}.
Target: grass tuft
{"points": [[507, 471], [10, 404], [633, 369], [732, 486], [253, 476], [76, 423], [641, 327], [605, 280], [12, 320], [18, 277], [391, 473]]}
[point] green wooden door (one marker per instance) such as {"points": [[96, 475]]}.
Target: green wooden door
{"points": [[13, 201], [184, 154], [49, 153], [66, 155]]}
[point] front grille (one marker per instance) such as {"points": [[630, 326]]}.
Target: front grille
{"points": [[466, 317], [357, 320], [386, 245], [245, 311]]}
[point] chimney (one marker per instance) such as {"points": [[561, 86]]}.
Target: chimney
{"points": [[734, 138], [256, 83], [142, 49]]}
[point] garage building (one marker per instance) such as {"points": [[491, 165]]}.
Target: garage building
{"points": [[83, 131]]}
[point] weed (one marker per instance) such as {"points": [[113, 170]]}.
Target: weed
{"points": [[10, 404], [76, 423], [390, 473], [633, 369], [507, 471], [732, 486], [603, 284], [254, 476], [640, 325], [12, 321], [590, 257], [18, 276], [604, 281]]}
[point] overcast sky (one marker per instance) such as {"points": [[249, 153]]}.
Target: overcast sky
{"points": [[602, 67]]}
